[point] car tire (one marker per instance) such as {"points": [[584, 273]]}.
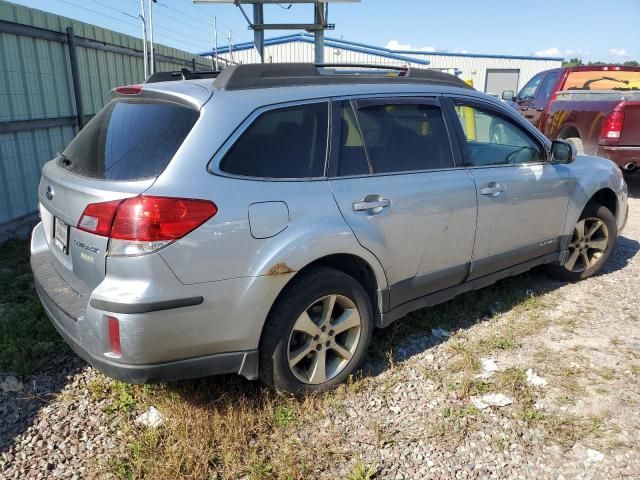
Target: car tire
{"points": [[594, 237], [577, 144], [294, 354]]}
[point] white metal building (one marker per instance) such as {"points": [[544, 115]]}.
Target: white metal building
{"points": [[489, 73]]}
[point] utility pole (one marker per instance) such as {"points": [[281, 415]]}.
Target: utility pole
{"points": [[145, 59], [215, 44], [231, 46], [319, 18], [258, 33], [152, 64]]}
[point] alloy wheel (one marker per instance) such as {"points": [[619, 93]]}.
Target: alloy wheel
{"points": [[324, 338], [589, 242]]}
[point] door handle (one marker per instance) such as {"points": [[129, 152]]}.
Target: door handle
{"points": [[372, 205], [528, 116], [493, 190]]}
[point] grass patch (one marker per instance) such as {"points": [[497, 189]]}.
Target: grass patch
{"points": [[27, 337], [455, 423], [224, 427], [513, 381], [466, 359]]}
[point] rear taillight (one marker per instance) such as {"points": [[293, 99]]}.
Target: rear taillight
{"points": [[612, 128], [145, 223]]}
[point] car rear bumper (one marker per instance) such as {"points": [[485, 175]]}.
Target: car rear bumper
{"points": [[66, 310], [621, 156], [167, 330]]}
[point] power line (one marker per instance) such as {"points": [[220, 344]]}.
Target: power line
{"points": [[197, 47], [195, 7], [93, 11], [198, 19]]}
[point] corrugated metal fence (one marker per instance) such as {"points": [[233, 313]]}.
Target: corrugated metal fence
{"points": [[37, 98]]}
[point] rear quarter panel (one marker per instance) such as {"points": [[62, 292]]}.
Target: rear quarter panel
{"points": [[583, 116]]}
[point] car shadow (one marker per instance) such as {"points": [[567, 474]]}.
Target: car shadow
{"points": [[19, 409], [633, 183]]}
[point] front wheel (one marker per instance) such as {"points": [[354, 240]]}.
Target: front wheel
{"points": [[591, 244], [317, 332]]}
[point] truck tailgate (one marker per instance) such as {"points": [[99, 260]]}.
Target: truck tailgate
{"points": [[630, 135]]}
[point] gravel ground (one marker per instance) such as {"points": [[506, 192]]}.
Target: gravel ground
{"points": [[415, 417]]}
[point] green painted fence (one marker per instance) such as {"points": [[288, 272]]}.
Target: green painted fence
{"points": [[37, 105]]}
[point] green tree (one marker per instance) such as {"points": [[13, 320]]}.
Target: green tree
{"points": [[574, 62]]}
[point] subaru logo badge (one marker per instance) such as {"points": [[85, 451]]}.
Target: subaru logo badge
{"points": [[50, 193]]}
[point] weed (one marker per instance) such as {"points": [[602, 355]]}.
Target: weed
{"points": [[607, 373], [120, 395], [362, 471], [261, 470], [470, 386], [283, 416], [460, 411]]}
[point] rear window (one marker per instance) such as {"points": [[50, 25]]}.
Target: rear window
{"points": [[603, 80], [288, 142], [393, 138], [129, 140]]}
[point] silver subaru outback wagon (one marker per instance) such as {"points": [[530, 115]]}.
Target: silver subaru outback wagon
{"points": [[266, 221]]}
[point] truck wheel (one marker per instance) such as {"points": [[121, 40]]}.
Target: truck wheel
{"points": [[577, 144], [317, 332], [593, 239]]}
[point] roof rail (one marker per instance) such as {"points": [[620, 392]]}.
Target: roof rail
{"points": [[183, 74], [265, 75]]}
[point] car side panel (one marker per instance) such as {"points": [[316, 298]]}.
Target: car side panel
{"points": [[224, 247]]}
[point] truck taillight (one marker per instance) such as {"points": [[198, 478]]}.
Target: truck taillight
{"points": [[612, 128], [145, 223]]}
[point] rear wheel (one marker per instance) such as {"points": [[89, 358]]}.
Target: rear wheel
{"points": [[317, 332], [591, 244], [577, 144]]}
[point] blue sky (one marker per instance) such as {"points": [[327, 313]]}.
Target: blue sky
{"points": [[589, 29]]}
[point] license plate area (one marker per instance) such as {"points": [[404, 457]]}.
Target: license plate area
{"points": [[61, 235]]}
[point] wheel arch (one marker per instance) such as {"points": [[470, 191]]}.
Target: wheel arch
{"points": [[349, 263], [568, 131], [605, 197]]}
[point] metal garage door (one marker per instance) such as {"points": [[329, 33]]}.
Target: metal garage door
{"points": [[499, 80]]}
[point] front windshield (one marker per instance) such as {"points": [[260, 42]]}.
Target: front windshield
{"points": [[603, 80]]}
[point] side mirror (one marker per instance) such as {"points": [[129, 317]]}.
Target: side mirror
{"points": [[562, 152], [508, 95]]}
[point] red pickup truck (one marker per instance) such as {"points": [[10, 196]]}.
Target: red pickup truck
{"points": [[596, 108]]}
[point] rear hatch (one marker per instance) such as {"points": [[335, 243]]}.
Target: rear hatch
{"points": [[117, 155], [630, 135]]}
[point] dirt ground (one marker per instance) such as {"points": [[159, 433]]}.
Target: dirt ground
{"points": [[564, 360]]}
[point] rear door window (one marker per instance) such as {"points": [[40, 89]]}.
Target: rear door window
{"points": [[129, 140], [386, 137], [289, 142]]}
